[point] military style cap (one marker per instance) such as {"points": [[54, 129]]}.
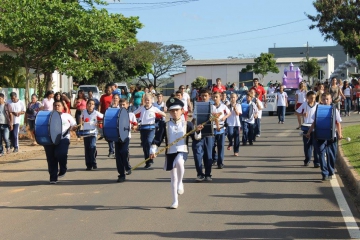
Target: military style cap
{"points": [[174, 103]]}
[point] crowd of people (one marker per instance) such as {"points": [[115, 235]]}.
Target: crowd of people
{"points": [[147, 114]]}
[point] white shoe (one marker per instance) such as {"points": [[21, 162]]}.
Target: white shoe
{"points": [[174, 206], [180, 191]]}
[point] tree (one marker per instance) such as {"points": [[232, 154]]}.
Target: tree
{"points": [[248, 68], [339, 21], [264, 64], [310, 67], [199, 82], [167, 59], [63, 35]]}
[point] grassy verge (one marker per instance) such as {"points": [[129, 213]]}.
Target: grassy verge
{"points": [[352, 149]]}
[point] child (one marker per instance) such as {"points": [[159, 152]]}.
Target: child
{"points": [[223, 113], [300, 98], [122, 148], [308, 110], [147, 114], [282, 103], [248, 123], [115, 103], [177, 154], [327, 146], [224, 99], [233, 122], [179, 95], [202, 148], [56, 155], [259, 105], [89, 118]]}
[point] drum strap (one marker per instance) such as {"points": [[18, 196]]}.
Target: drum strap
{"points": [[66, 132]]}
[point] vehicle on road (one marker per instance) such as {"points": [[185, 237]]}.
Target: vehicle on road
{"points": [[271, 101], [93, 88], [123, 86]]}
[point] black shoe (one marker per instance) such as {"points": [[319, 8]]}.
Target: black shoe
{"points": [[16, 150], [200, 178], [88, 169], [111, 154], [94, 167], [306, 164], [128, 172], [208, 179], [121, 179], [251, 143], [221, 166], [100, 138], [61, 175], [148, 166], [316, 166], [214, 163]]}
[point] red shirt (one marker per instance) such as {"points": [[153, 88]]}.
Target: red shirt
{"points": [[260, 91], [105, 102], [219, 89]]}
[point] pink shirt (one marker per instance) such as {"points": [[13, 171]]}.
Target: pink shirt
{"points": [[80, 104], [48, 104]]}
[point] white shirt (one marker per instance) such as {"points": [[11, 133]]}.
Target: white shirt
{"points": [[48, 104], [90, 120], [271, 90], [310, 112], [251, 119], [281, 98], [147, 116], [18, 106], [233, 119], [301, 96], [132, 118], [185, 99], [223, 109], [67, 122], [260, 111], [347, 91]]}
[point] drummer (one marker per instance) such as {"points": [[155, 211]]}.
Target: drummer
{"points": [[56, 155], [307, 110], [147, 114], [122, 147], [89, 120]]}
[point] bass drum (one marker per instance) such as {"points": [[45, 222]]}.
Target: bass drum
{"points": [[116, 124], [48, 128]]}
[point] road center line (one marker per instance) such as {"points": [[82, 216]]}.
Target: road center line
{"points": [[349, 219], [285, 133]]}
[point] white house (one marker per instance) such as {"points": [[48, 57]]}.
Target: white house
{"points": [[61, 82], [229, 70]]}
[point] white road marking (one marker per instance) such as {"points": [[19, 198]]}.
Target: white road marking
{"points": [[285, 133], [349, 219]]}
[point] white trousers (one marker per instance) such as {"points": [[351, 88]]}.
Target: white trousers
{"points": [[177, 174]]}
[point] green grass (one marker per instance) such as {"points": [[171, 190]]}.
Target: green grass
{"points": [[352, 149]]}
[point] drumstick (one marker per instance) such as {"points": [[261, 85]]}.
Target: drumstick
{"points": [[212, 118], [346, 138]]}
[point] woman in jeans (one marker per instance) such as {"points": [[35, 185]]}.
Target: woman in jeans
{"points": [[31, 111], [336, 93], [347, 90], [80, 105]]}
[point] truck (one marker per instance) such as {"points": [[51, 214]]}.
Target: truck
{"points": [[271, 101]]}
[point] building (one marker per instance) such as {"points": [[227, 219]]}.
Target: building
{"points": [[337, 52], [229, 70], [61, 82]]}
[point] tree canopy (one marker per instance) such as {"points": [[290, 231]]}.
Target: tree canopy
{"points": [[264, 64], [199, 82], [310, 68], [339, 21]]}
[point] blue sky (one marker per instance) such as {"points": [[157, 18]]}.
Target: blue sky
{"points": [[180, 23]]}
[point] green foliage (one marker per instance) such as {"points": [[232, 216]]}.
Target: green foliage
{"points": [[199, 82], [339, 21], [351, 149], [310, 68], [264, 64], [248, 68]]}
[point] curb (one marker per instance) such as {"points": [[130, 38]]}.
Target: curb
{"points": [[348, 172]]}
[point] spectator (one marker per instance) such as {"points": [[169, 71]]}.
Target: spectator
{"points": [[6, 124], [218, 87], [67, 101], [48, 101], [18, 109], [260, 91], [137, 97], [32, 109], [57, 98], [243, 88], [187, 89], [80, 105], [271, 89], [97, 102]]}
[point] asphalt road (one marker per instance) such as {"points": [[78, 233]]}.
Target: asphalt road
{"points": [[265, 193]]}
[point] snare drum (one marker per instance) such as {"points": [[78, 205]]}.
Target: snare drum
{"points": [[86, 133], [325, 122], [247, 110], [305, 127], [202, 113], [116, 124], [48, 128]]}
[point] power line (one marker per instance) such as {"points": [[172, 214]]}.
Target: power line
{"points": [[232, 34], [153, 3], [151, 6]]}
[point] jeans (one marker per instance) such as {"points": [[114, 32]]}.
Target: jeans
{"points": [[281, 113], [122, 157], [111, 147], [14, 136], [57, 155], [309, 148], [90, 150], [219, 140], [202, 150], [234, 137], [248, 132], [4, 134], [330, 148], [347, 105], [147, 136], [257, 126]]}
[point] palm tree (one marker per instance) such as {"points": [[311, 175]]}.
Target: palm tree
{"points": [[15, 78]]}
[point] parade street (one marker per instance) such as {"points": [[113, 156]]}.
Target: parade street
{"points": [[265, 193]]}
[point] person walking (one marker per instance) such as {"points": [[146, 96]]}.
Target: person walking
{"points": [[31, 111], [18, 109], [6, 124]]}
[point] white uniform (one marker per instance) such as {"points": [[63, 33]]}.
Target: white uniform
{"points": [[90, 120], [233, 119]]}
